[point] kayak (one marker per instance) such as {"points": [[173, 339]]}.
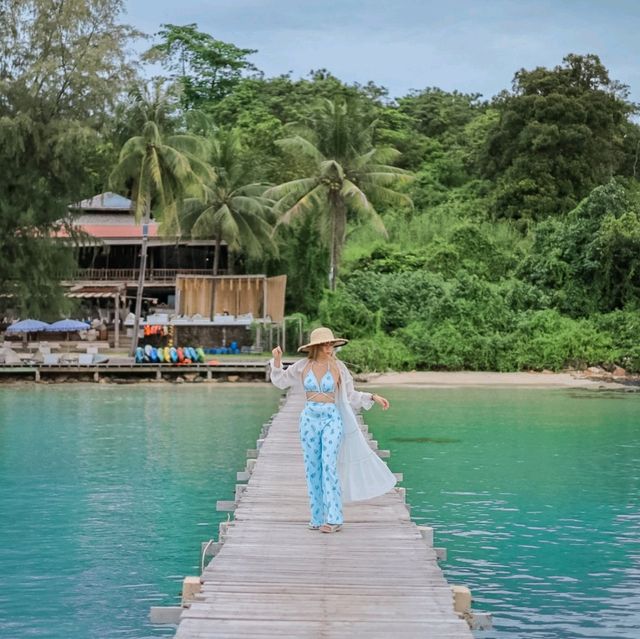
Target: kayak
{"points": [[200, 354], [173, 353], [160, 354], [139, 356]]}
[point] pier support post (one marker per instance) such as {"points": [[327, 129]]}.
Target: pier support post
{"points": [[427, 534], [240, 488], [461, 599], [223, 530], [37, 375], [96, 376], [158, 375], [191, 586]]}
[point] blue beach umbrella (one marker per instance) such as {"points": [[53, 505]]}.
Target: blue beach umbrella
{"points": [[27, 326], [68, 326]]}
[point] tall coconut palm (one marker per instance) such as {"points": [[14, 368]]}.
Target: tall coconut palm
{"points": [[346, 175], [229, 210], [159, 170]]}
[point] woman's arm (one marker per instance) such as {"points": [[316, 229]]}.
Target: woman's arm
{"points": [[356, 398], [280, 377]]}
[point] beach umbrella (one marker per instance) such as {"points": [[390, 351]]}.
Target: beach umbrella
{"points": [[27, 326], [68, 326]]}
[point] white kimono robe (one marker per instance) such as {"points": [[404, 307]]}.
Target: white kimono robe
{"points": [[363, 475]]}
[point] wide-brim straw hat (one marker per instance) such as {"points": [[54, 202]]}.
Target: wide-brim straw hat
{"points": [[322, 335]]}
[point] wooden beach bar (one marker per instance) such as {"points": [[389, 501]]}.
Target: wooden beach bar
{"points": [[273, 577]]}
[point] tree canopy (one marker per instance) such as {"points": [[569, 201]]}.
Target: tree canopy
{"points": [[63, 68]]}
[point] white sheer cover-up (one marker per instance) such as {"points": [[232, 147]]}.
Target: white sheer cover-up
{"points": [[363, 475]]}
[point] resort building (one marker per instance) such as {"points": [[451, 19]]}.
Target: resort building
{"points": [[179, 287]]}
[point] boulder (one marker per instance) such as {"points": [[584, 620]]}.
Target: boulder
{"points": [[618, 371]]}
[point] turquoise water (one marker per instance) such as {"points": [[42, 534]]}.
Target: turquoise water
{"points": [[107, 491], [105, 495], [536, 496]]}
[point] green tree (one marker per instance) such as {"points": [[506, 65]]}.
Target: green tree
{"points": [[560, 135], [346, 174], [159, 170], [207, 69], [62, 69], [437, 113], [589, 261], [228, 209]]}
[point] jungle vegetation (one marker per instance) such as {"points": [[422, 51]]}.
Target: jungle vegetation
{"points": [[436, 230]]}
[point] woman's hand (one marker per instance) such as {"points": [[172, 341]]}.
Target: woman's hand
{"points": [[381, 401], [277, 356]]}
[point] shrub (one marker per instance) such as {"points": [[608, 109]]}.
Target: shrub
{"points": [[378, 353], [546, 339], [624, 328], [345, 314]]}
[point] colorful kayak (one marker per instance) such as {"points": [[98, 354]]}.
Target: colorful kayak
{"points": [[200, 354], [180, 354], [139, 356], [173, 353], [167, 354], [160, 354], [193, 356]]}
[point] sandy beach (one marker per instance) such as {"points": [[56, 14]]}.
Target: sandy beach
{"points": [[441, 379]]}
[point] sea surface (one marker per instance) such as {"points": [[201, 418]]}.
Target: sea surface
{"points": [[535, 494], [107, 491]]}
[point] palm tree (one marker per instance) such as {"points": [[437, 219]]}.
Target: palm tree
{"points": [[159, 170], [346, 175], [228, 209]]}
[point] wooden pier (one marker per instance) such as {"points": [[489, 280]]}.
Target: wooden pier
{"points": [[273, 577], [241, 370]]}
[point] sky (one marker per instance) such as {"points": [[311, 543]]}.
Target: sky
{"points": [[474, 46]]}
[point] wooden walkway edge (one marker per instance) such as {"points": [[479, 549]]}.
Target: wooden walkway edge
{"points": [[273, 577]]}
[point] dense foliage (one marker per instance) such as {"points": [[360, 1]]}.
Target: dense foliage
{"points": [[62, 69], [499, 234]]}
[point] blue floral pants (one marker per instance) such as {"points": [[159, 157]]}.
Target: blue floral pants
{"points": [[321, 434]]}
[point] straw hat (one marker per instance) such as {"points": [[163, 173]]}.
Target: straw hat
{"points": [[322, 335]]}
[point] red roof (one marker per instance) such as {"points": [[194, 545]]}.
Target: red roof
{"points": [[109, 230]]}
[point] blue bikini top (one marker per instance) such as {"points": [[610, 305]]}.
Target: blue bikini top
{"points": [[327, 383]]}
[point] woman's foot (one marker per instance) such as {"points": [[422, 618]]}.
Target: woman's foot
{"points": [[330, 528], [312, 527]]}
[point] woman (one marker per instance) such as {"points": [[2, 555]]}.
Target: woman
{"points": [[339, 464]]}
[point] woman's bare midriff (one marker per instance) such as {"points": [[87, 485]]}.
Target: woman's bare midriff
{"points": [[321, 398]]}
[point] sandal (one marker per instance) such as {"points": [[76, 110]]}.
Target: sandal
{"points": [[330, 528], [312, 527]]}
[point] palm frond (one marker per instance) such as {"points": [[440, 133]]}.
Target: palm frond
{"points": [[358, 202], [193, 144], [204, 226], [293, 188], [307, 202], [385, 195], [298, 144], [133, 146]]}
